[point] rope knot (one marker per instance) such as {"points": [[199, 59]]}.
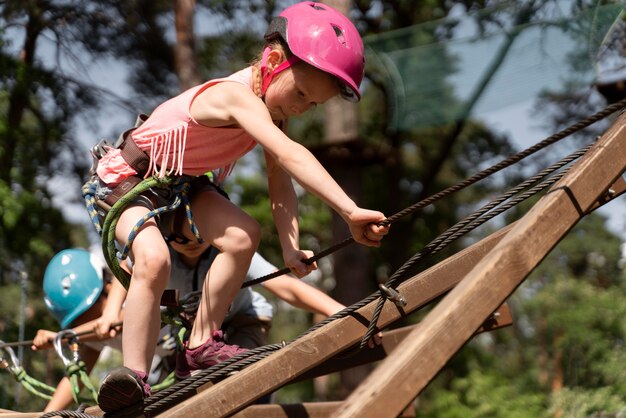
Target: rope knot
{"points": [[19, 373], [75, 368]]}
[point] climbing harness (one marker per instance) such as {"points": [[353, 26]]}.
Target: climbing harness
{"points": [[111, 207]]}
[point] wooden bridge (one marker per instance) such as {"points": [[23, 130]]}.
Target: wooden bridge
{"points": [[476, 283]]}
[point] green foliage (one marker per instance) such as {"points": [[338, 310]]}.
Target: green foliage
{"points": [[580, 403], [564, 352], [484, 392]]}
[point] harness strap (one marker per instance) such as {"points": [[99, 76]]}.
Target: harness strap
{"points": [[132, 154], [121, 189]]}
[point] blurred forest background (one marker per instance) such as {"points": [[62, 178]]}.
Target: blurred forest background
{"points": [[431, 66]]}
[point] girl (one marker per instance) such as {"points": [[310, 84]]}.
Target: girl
{"points": [[312, 54]]}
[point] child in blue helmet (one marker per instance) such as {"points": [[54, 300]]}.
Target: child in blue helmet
{"points": [[79, 293]]}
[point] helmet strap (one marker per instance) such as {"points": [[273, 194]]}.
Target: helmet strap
{"points": [[266, 75]]}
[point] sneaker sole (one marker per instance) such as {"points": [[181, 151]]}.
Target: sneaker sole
{"points": [[120, 391], [188, 375]]}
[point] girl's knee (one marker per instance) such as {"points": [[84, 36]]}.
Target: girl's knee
{"points": [[152, 263], [244, 239]]}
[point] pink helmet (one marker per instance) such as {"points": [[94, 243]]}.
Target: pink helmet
{"points": [[325, 38]]}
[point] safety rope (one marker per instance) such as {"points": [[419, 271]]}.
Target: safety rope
{"points": [[471, 222], [79, 413], [463, 184]]}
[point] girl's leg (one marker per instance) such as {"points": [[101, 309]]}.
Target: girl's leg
{"points": [[236, 235], [151, 269]]}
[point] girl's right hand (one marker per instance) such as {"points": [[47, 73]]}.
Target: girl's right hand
{"points": [[295, 261]]}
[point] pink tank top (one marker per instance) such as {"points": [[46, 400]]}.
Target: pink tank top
{"points": [[178, 145]]}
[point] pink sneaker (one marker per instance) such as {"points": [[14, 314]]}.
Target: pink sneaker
{"points": [[213, 351]]}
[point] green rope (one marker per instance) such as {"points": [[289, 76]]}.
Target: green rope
{"points": [[31, 384], [166, 383], [34, 386], [77, 373], [110, 223]]}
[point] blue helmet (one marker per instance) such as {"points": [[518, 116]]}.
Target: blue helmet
{"points": [[72, 283]]}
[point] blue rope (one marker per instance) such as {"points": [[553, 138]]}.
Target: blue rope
{"points": [[89, 194]]}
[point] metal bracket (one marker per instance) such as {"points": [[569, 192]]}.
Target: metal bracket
{"points": [[393, 295]]}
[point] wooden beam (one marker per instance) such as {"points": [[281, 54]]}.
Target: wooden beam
{"points": [[301, 410], [391, 339], [452, 322], [236, 392], [7, 413]]}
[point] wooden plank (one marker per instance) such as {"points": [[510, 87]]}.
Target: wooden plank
{"points": [[617, 189], [7, 413], [237, 391], [452, 322], [302, 410], [391, 339]]}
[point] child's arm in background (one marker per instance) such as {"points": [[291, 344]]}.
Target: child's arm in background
{"points": [[285, 213], [112, 312], [302, 295]]}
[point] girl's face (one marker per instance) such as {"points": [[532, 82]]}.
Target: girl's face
{"points": [[297, 89]]}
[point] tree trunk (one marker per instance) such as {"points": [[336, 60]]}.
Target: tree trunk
{"points": [[351, 267], [185, 59], [556, 384], [18, 96]]}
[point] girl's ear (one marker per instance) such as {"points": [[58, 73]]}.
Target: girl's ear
{"points": [[274, 58]]}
